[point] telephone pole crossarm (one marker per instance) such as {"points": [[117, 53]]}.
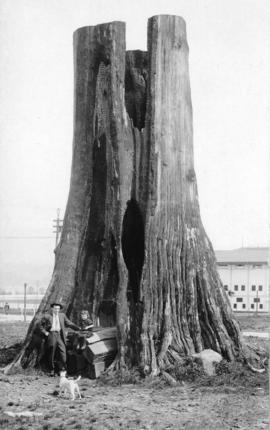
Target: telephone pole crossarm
{"points": [[58, 227]]}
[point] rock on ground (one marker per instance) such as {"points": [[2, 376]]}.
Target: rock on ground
{"points": [[208, 358]]}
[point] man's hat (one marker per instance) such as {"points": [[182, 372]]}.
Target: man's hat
{"points": [[56, 304]]}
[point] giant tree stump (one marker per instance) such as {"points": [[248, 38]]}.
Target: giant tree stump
{"points": [[133, 250]]}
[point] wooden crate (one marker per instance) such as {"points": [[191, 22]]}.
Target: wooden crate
{"points": [[98, 368], [101, 349], [99, 353]]}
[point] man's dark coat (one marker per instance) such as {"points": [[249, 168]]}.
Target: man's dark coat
{"points": [[64, 324]]}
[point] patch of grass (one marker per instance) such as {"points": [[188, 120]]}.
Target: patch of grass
{"points": [[251, 322], [120, 377], [12, 333], [260, 344], [156, 383], [187, 370], [9, 353], [229, 375], [235, 376], [238, 375]]}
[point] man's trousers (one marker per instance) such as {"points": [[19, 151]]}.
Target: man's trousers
{"points": [[56, 347]]}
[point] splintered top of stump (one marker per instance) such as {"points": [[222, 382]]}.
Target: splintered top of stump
{"points": [[104, 24], [158, 19]]}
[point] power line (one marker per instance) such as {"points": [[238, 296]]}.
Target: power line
{"points": [[58, 229]]}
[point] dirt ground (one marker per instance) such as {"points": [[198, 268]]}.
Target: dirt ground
{"points": [[217, 404]]}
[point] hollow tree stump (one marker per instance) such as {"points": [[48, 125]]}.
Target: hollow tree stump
{"points": [[133, 250]]}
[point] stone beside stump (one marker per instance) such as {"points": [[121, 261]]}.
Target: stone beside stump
{"points": [[208, 358]]}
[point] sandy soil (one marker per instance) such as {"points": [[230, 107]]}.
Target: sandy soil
{"points": [[149, 405]]}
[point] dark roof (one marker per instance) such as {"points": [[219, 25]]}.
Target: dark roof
{"points": [[243, 255]]}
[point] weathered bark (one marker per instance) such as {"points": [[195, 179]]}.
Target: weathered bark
{"points": [[185, 305], [133, 250]]}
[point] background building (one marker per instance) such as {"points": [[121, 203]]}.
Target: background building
{"points": [[245, 276], [16, 302]]}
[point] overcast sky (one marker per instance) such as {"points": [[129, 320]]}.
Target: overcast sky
{"points": [[229, 68]]}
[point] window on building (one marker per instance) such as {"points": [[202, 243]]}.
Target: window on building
{"points": [[226, 287], [252, 305], [260, 287], [236, 288], [253, 288], [243, 306], [239, 299], [235, 306], [243, 287], [261, 306], [256, 300]]}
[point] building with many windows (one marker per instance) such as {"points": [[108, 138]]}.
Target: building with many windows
{"points": [[16, 301], [245, 276]]}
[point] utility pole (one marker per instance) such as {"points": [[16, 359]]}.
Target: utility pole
{"points": [[24, 303], [37, 292], [58, 227]]}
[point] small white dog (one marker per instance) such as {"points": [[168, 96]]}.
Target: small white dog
{"points": [[70, 385]]}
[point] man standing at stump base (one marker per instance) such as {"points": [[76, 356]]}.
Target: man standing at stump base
{"points": [[56, 336]]}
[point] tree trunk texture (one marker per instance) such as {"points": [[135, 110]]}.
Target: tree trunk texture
{"points": [[133, 250]]}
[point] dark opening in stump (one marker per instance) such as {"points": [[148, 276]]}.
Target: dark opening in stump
{"points": [[133, 248]]}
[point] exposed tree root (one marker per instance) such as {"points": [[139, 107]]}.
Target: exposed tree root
{"points": [[168, 378], [27, 357], [254, 369], [14, 367], [115, 365], [255, 355]]}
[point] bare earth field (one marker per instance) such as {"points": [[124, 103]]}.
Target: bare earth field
{"points": [[210, 403]]}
